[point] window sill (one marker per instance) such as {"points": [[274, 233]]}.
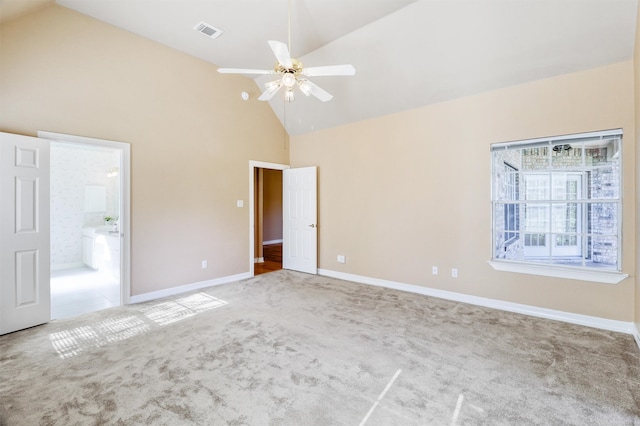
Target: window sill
{"points": [[607, 277]]}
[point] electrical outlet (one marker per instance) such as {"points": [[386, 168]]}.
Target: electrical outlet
{"points": [[434, 270], [342, 259], [204, 264], [454, 273]]}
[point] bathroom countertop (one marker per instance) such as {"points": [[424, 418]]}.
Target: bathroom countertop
{"points": [[92, 231]]}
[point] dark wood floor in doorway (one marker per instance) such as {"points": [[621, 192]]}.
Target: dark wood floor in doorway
{"points": [[272, 259]]}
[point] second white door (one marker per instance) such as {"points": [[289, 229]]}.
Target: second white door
{"points": [[300, 225]]}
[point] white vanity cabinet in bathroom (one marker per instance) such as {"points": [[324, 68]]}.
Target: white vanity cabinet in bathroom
{"points": [[90, 255], [111, 254], [101, 249]]}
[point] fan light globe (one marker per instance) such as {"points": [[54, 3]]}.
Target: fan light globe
{"points": [[288, 79], [288, 96], [272, 86]]}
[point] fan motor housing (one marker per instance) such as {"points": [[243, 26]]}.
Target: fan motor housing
{"points": [[296, 67]]}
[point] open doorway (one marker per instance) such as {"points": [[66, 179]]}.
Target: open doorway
{"points": [[85, 236], [97, 220], [265, 204], [268, 216]]}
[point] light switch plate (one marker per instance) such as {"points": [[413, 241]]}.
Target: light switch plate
{"points": [[240, 203]]}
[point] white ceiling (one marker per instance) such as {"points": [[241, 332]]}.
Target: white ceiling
{"points": [[407, 53]]}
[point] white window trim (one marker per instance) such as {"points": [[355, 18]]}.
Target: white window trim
{"points": [[546, 270], [551, 140], [559, 271]]}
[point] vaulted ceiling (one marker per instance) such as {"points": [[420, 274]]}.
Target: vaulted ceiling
{"points": [[407, 53]]}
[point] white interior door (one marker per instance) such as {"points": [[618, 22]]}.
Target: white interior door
{"points": [[24, 232], [300, 226]]}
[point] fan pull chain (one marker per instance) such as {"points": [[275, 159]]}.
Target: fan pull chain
{"points": [[284, 126], [289, 26]]}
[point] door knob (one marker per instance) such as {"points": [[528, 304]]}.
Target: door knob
{"points": [[312, 225]]}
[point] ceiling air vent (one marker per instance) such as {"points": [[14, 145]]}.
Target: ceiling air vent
{"points": [[208, 30]]}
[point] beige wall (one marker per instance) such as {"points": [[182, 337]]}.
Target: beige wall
{"points": [[637, 119], [191, 134], [401, 193], [272, 205], [397, 194]]}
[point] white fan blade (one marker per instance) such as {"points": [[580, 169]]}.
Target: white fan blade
{"points": [[329, 70], [282, 53], [319, 93], [243, 71]]}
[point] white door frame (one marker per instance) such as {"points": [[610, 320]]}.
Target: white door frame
{"points": [[124, 222], [253, 165]]}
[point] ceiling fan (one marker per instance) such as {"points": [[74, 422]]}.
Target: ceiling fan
{"points": [[291, 73]]}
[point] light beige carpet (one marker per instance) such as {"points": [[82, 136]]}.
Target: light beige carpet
{"points": [[292, 349]]}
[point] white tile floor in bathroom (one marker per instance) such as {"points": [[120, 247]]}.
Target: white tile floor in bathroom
{"points": [[81, 290]]}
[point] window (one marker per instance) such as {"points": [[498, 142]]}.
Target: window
{"points": [[511, 210], [557, 201]]}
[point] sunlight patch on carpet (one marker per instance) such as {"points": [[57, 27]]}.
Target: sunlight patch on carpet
{"points": [[456, 411], [69, 343], [72, 342], [377, 401], [201, 302], [176, 310]]}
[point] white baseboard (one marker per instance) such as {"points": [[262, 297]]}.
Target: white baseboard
{"points": [[63, 266], [258, 260], [586, 320], [145, 297], [266, 243]]}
